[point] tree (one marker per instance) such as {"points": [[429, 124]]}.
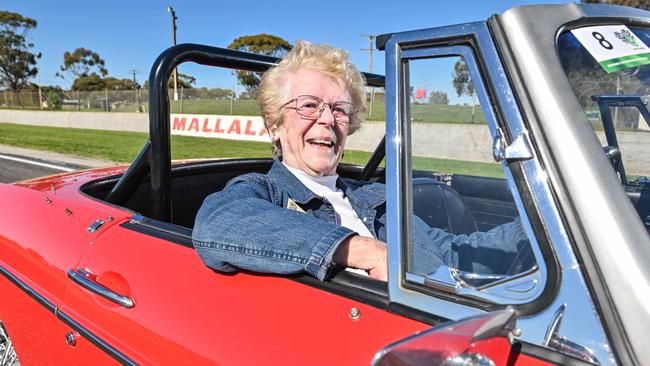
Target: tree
{"points": [[438, 97], [215, 93], [17, 62], [248, 94], [463, 83], [265, 44], [92, 82], [184, 81], [112, 83], [220, 93], [82, 62], [641, 4]]}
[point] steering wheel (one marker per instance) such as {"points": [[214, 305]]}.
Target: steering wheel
{"points": [[614, 155]]}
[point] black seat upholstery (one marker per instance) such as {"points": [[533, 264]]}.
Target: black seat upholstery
{"points": [[440, 206]]}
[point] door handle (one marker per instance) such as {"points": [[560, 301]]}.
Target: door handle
{"points": [[87, 280]]}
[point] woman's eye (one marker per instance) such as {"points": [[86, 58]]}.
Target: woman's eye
{"points": [[310, 105], [340, 110]]}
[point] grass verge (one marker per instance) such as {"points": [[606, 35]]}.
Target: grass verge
{"points": [[122, 147]]}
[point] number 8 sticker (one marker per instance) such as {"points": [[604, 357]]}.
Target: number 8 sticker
{"points": [[614, 47], [603, 42]]}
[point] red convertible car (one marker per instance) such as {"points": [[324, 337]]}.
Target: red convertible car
{"points": [[98, 267]]}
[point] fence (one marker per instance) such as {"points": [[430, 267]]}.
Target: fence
{"points": [[106, 100], [201, 100], [210, 101], [195, 100]]}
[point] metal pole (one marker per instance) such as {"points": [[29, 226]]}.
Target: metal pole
{"points": [[370, 49], [181, 99], [38, 78], [135, 89], [175, 72], [618, 91], [78, 101], [106, 98], [232, 99], [40, 96]]}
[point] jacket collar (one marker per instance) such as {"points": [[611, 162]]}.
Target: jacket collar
{"points": [[286, 181], [366, 196]]}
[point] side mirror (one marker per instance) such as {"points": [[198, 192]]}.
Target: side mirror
{"points": [[481, 340]]}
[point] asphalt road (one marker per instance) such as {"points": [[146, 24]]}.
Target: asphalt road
{"points": [[15, 168], [19, 163]]}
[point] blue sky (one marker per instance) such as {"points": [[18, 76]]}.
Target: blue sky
{"points": [[130, 34]]}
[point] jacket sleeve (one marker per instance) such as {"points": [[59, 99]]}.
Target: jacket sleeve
{"points": [[240, 227], [492, 252]]}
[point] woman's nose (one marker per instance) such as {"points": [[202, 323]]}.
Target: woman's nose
{"points": [[326, 116]]}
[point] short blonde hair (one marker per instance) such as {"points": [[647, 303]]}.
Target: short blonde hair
{"points": [[334, 62]]}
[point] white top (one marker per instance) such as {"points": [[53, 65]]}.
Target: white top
{"points": [[326, 187], [345, 214]]}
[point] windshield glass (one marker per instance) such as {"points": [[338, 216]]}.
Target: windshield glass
{"points": [[609, 70], [613, 85]]}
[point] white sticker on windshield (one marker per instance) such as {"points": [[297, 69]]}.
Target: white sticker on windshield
{"points": [[615, 47]]}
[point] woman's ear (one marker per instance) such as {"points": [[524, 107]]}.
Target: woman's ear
{"points": [[275, 134]]}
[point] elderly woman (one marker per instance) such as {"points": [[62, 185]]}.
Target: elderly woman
{"points": [[301, 216]]}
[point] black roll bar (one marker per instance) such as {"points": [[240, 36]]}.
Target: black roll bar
{"points": [[605, 102], [156, 154]]}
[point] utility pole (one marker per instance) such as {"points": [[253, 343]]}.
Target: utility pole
{"points": [[175, 73], [40, 92], [135, 87], [370, 50]]}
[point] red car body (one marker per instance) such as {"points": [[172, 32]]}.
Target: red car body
{"points": [[243, 319], [96, 267]]}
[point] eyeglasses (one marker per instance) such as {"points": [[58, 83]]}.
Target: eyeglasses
{"points": [[312, 107]]}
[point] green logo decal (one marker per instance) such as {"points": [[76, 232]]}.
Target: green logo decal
{"points": [[627, 37]]}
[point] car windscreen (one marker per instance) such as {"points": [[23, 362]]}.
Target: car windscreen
{"points": [[608, 67]]}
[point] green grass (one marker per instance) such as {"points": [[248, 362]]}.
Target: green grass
{"points": [[440, 113], [211, 106], [122, 147], [427, 113]]}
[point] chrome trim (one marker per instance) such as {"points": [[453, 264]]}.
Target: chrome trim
{"points": [[398, 145], [586, 328], [112, 351], [554, 326], [86, 280], [538, 76], [71, 339], [514, 290], [96, 225], [469, 359], [518, 150], [555, 341], [7, 352]]}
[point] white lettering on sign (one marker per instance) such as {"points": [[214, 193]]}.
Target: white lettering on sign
{"points": [[249, 128], [614, 47]]}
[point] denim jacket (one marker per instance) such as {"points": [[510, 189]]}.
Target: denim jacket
{"points": [[272, 223]]}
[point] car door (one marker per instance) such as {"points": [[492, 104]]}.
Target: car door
{"points": [[172, 309]]}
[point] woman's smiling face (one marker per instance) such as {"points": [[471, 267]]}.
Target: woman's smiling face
{"points": [[313, 145]]}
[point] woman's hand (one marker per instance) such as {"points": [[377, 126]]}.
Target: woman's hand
{"points": [[363, 253]]}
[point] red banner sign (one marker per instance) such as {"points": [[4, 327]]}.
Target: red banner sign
{"points": [[225, 127]]}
